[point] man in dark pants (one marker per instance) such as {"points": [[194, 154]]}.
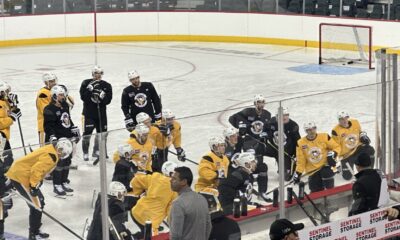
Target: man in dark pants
{"points": [[139, 97], [96, 94], [291, 136], [58, 124], [370, 191], [26, 175]]}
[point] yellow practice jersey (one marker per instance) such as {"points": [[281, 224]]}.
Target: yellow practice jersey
{"points": [[347, 138], [312, 154], [5, 120], [209, 165], [31, 169], [43, 99], [155, 205], [173, 138], [155, 136], [142, 153]]}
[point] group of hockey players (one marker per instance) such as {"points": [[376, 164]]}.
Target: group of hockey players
{"points": [[234, 163]]}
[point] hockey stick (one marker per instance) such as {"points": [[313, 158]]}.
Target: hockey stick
{"points": [[186, 159], [114, 230], [95, 162], [300, 203], [324, 218], [22, 136], [257, 140], [48, 215]]}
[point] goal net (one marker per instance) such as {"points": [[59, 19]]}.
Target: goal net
{"points": [[345, 44]]}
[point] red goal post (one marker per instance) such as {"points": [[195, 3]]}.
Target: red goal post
{"points": [[345, 43]]}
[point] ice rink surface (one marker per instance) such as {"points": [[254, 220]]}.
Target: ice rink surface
{"points": [[203, 83]]}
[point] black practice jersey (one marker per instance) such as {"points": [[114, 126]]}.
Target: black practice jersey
{"points": [[251, 118], [57, 121], [291, 131], [90, 99], [141, 99]]}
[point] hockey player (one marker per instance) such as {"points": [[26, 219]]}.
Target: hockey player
{"points": [[370, 190], [213, 166], [352, 140], [170, 130], [5, 199], [58, 124], [28, 172], [139, 97], [143, 148], [291, 136], [155, 137], [43, 98], [96, 94], [238, 183], [116, 211], [125, 168], [8, 116], [156, 203], [233, 143], [316, 155]]}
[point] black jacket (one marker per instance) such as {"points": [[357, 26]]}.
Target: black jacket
{"points": [[117, 213], [89, 101], [141, 99], [229, 188], [366, 191], [224, 228], [248, 116], [57, 121], [291, 131]]}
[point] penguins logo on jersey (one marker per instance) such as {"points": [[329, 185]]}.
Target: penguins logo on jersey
{"points": [[315, 155], [140, 100], [276, 138], [142, 161], [65, 121], [351, 141], [257, 127], [249, 190]]}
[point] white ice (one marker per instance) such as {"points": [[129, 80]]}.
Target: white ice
{"points": [[193, 79]]}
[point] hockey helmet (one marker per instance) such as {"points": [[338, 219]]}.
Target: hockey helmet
{"points": [[142, 117], [229, 131], [64, 147], [309, 125], [168, 168], [117, 189], [133, 74], [57, 90], [97, 69]]}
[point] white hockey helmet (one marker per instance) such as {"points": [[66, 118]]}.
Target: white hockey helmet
{"points": [[3, 87], [167, 113], [309, 125], [64, 147], [229, 131], [57, 90], [125, 150], [215, 140], [97, 69], [141, 129], [168, 168], [259, 98], [49, 77], [342, 114], [245, 158], [142, 117], [285, 111], [8, 87], [133, 74], [116, 189]]}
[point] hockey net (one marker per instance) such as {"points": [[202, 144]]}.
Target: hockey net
{"points": [[345, 44]]}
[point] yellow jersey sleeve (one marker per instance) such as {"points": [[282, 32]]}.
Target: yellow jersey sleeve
{"points": [[207, 170], [140, 183]]}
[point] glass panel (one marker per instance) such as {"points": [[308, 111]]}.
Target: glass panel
{"points": [[142, 5], [234, 5], [15, 7], [290, 6], [79, 5], [268, 6], [204, 5], [111, 5], [170, 5], [47, 6]]}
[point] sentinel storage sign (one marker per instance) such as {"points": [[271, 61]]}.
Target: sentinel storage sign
{"points": [[371, 225]]}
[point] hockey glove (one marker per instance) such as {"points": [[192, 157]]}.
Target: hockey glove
{"points": [[129, 124], [263, 135], [331, 158], [165, 130], [53, 140], [157, 117], [15, 114], [13, 100], [296, 177], [181, 154], [242, 128], [34, 191], [364, 139], [93, 85], [76, 132]]}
